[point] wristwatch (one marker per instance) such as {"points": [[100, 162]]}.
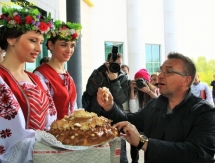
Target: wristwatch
{"points": [[143, 139]]}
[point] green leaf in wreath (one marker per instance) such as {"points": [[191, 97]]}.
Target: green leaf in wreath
{"points": [[4, 10]]}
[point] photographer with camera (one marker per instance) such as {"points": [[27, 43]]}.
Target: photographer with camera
{"points": [[141, 91], [111, 76]]}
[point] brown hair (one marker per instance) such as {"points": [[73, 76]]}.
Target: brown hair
{"points": [[123, 66], [144, 98], [44, 60], [110, 55], [154, 75]]}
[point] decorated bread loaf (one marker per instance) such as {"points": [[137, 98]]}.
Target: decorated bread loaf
{"points": [[83, 128]]}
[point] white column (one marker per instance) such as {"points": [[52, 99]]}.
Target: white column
{"points": [[170, 26], [136, 45]]}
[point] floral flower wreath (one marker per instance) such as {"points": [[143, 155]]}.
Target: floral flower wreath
{"points": [[26, 20], [67, 31]]}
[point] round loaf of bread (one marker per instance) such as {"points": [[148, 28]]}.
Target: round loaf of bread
{"points": [[83, 128]]}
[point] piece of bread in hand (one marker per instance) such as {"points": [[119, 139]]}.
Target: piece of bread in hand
{"points": [[105, 92]]}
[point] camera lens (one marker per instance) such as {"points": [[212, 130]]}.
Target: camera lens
{"points": [[140, 83], [114, 67]]}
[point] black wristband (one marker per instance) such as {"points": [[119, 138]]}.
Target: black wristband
{"points": [[140, 145]]}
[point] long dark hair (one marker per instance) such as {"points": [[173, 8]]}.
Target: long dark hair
{"points": [[6, 33], [53, 40], [144, 98]]}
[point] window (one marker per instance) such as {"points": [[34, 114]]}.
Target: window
{"points": [[152, 58], [109, 45]]}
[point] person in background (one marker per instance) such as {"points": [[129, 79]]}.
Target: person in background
{"points": [[62, 45], [125, 68], [213, 88], [118, 86], [26, 104], [1, 54], [45, 59], [178, 126], [116, 82], [201, 89], [126, 109], [154, 81], [139, 97]]}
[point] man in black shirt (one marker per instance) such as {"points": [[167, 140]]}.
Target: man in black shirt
{"points": [[178, 127]]}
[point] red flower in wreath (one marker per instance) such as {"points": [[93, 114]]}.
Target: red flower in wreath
{"points": [[74, 36], [8, 18], [17, 19], [64, 28], [2, 16], [28, 19], [43, 26], [50, 24]]}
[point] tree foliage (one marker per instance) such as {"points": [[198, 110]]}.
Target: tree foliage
{"points": [[205, 69]]}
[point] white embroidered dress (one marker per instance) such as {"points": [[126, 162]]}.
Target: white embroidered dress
{"points": [[16, 138]]}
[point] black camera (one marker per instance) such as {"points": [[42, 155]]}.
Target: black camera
{"points": [[114, 66], [140, 83]]}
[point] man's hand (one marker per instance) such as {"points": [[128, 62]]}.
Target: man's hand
{"points": [[145, 89], [130, 132], [133, 84], [105, 102], [111, 76]]}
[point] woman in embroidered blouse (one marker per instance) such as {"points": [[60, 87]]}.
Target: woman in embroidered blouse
{"points": [[62, 87], [140, 96], [25, 102]]}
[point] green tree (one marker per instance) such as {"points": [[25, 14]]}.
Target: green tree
{"points": [[205, 69]]}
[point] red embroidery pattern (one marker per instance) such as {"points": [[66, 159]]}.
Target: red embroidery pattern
{"points": [[52, 109], [48, 85], [69, 83], [39, 103], [8, 106], [5, 133], [2, 150]]}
